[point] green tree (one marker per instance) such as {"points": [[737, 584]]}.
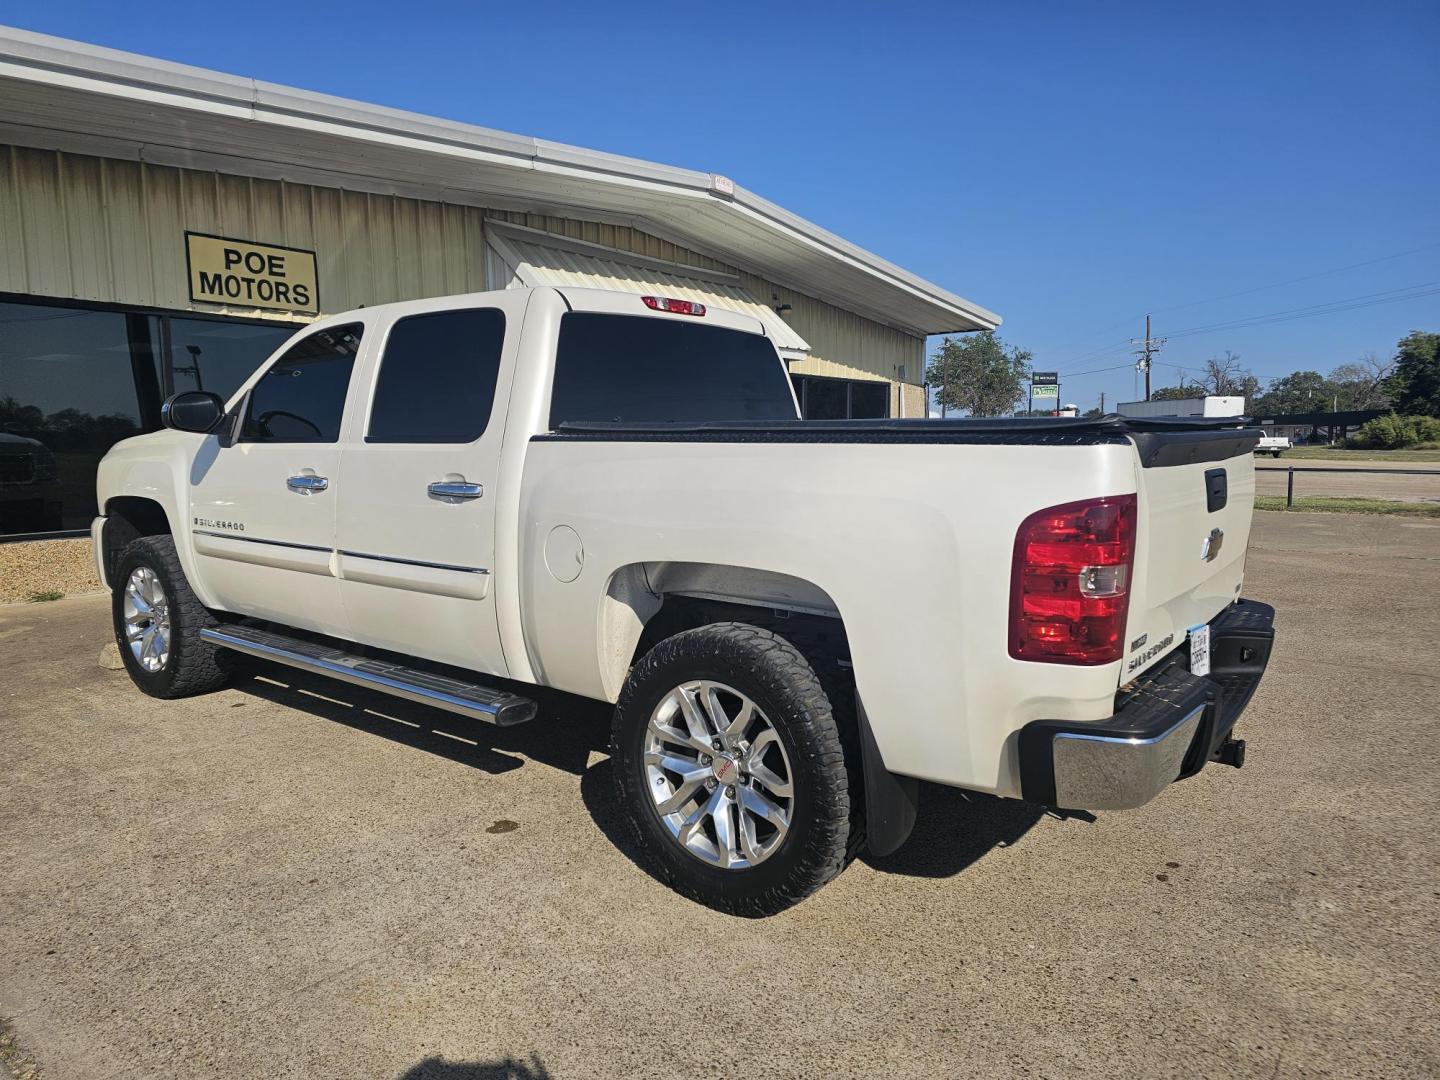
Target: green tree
{"points": [[1415, 386], [1298, 392], [980, 375], [1177, 393]]}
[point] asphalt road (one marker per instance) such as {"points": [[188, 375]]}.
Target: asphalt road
{"points": [[295, 880], [1388, 483]]}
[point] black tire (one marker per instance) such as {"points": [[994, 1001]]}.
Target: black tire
{"points": [[782, 683], [193, 667]]}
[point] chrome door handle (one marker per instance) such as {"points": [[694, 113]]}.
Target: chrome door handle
{"points": [[455, 489], [307, 484]]}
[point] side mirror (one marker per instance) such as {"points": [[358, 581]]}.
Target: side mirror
{"points": [[195, 410]]}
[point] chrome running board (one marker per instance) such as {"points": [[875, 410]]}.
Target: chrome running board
{"points": [[454, 695]]}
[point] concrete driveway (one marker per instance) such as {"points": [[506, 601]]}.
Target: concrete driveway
{"points": [[293, 879]]}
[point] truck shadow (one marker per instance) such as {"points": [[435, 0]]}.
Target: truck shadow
{"points": [[954, 828], [437, 1068]]}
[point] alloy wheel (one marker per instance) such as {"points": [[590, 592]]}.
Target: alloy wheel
{"points": [[719, 775], [147, 620]]}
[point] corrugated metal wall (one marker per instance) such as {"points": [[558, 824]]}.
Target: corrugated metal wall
{"points": [[843, 344], [108, 230]]}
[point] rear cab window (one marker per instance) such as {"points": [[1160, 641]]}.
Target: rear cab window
{"points": [[634, 369]]}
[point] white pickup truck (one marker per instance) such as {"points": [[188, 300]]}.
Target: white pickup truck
{"points": [[612, 495], [1274, 445]]}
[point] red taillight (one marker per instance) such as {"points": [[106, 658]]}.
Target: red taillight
{"points": [[1070, 583], [674, 307]]}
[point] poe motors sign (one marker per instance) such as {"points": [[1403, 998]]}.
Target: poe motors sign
{"points": [[225, 271]]}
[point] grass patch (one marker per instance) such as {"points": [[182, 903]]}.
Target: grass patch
{"points": [[14, 1061], [1330, 453], [1347, 506], [46, 595]]}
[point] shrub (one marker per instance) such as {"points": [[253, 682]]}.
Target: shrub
{"points": [[1390, 432]]}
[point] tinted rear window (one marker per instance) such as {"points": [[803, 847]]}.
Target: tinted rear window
{"points": [[437, 377], [635, 369]]}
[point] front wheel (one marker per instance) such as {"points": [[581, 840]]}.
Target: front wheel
{"points": [[158, 620], [729, 767]]}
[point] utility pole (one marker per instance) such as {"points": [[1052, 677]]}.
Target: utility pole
{"points": [[1102, 402], [1148, 348]]}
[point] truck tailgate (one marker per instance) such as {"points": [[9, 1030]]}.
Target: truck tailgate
{"points": [[1196, 495]]}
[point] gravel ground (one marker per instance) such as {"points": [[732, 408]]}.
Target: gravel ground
{"points": [[64, 566], [291, 879]]}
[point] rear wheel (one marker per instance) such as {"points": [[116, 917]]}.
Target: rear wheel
{"points": [[729, 766], [158, 620]]}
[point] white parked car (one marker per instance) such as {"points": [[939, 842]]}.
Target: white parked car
{"points": [[796, 620]]}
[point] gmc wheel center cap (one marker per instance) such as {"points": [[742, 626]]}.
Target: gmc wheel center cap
{"points": [[726, 768]]}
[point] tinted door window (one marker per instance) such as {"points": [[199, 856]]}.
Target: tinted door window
{"points": [[302, 397], [631, 368], [437, 377]]}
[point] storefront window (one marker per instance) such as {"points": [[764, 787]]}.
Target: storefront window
{"points": [[67, 394], [75, 380], [823, 398], [207, 354]]}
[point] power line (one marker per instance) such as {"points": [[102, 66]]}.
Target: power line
{"points": [[1099, 350], [1094, 371], [1296, 280], [1348, 303], [1329, 307]]}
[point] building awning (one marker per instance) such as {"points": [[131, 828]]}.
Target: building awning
{"points": [[528, 257], [66, 95]]}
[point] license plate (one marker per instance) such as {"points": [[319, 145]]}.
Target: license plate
{"points": [[1200, 650]]}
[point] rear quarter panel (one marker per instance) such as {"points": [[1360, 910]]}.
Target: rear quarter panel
{"points": [[912, 542]]}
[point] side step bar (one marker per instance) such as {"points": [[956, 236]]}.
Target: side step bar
{"points": [[455, 695]]}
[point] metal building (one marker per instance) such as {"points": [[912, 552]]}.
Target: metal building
{"points": [[164, 227]]}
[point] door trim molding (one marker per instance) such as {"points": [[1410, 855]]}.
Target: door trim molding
{"points": [[415, 562]]}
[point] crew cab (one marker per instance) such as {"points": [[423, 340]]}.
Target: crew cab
{"points": [[610, 494]]}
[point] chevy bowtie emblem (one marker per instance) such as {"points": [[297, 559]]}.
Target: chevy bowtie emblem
{"points": [[1213, 543]]}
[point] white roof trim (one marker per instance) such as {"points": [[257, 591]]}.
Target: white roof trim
{"points": [[538, 258], [163, 109]]}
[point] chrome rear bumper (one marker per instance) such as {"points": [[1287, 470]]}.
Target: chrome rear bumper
{"points": [[1167, 725], [1112, 772]]}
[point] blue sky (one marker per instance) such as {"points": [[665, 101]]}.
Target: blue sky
{"points": [[1070, 166]]}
